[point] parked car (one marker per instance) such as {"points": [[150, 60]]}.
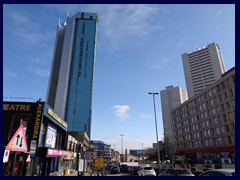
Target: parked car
{"points": [[176, 172], [219, 172], [115, 169], [124, 168], [134, 170], [108, 167], [146, 171]]}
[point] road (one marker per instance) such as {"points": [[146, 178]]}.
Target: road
{"points": [[121, 174]]}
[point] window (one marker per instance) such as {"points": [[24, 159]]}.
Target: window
{"points": [[229, 140], [227, 129], [219, 120], [224, 118], [230, 92], [213, 111], [233, 103], [225, 95], [219, 141], [214, 91], [205, 115], [222, 130], [206, 142], [224, 140], [230, 116], [220, 98], [209, 132], [203, 124], [205, 133], [204, 106], [228, 105], [210, 93]]}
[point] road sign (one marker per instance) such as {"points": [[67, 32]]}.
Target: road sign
{"points": [[6, 156], [99, 162], [28, 158], [18, 142]]}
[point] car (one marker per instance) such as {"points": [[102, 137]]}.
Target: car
{"points": [[134, 170], [176, 172], [108, 167], [146, 171], [124, 168], [115, 169], [218, 172]]}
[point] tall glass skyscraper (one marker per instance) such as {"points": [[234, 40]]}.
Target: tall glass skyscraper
{"points": [[71, 80]]}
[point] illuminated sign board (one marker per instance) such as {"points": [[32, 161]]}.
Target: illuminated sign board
{"points": [[54, 152]]}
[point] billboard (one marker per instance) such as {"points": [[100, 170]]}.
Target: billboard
{"points": [[51, 137]]}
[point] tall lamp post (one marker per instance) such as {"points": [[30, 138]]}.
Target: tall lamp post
{"points": [[155, 93], [142, 153], [122, 147]]}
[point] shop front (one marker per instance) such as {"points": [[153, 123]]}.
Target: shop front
{"points": [[220, 155], [16, 114], [46, 138], [68, 162], [48, 161], [51, 144]]}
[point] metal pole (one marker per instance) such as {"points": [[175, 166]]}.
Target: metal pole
{"points": [[142, 153], [156, 129], [122, 147]]}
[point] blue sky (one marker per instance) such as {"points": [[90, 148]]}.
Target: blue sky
{"points": [[138, 51]]}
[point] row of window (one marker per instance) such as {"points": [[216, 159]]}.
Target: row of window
{"points": [[223, 129], [211, 142]]}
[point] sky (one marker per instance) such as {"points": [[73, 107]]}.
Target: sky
{"points": [[138, 50]]}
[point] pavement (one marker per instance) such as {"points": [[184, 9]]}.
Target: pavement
{"points": [[75, 173]]}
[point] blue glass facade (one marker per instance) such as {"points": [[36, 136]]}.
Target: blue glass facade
{"points": [[79, 98], [71, 81]]}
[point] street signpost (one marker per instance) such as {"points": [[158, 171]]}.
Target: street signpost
{"points": [[6, 156], [98, 162], [28, 158], [18, 142]]}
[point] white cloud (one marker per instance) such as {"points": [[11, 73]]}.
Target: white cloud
{"points": [[122, 111], [121, 25], [40, 72], [127, 25], [7, 73]]}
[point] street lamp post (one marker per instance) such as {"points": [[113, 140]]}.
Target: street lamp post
{"points": [[114, 147], [122, 147], [142, 153], [155, 93]]}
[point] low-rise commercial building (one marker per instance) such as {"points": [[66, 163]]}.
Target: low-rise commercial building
{"points": [[46, 138]]}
